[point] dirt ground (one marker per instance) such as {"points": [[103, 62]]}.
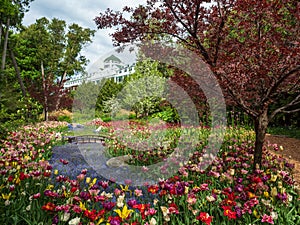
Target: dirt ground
{"points": [[291, 151]]}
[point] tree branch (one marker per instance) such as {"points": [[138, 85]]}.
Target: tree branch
{"points": [[219, 36], [203, 52], [5, 44], [13, 58], [237, 99], [0, 31], [294, 102], [277, 82], [292, 111]]}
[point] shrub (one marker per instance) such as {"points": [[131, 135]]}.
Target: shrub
{"points": [[168, 115], [60, 115], [64, 118]]}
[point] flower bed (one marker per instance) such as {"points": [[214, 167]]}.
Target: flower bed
{"points": [[35, 191]]}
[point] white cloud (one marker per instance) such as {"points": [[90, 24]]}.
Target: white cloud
{"points": [[83, 13]]}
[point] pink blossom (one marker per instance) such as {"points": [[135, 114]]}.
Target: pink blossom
{"points": [[138, 192], [267, 219], [36, 196], [204, 187]]}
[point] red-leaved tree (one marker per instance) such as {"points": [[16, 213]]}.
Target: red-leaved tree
{"points": [[51, 95], [251, 46]]}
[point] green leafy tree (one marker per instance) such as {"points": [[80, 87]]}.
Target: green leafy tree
{"points": [[112, 106], [48, 53], [84, 104], [108, 90], [146, 88]]}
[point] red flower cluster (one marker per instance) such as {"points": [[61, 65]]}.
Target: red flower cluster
{"points": [[205, 218], [228, 212], [49, 207], [153, 189], [93, 214], [142, 208]]}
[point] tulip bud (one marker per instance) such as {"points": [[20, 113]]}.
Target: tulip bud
{"points": [[274, 192], [88, 180]]}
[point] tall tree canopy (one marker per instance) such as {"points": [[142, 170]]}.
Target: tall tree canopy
{"points": [[11, 15], [252, 47], [12, 100], [48, 52]]}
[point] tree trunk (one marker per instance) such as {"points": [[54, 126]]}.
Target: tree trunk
{"points": [[45, 93], [13, 58], [61, 86], [260, 125], [0, 31], [5, 45]]}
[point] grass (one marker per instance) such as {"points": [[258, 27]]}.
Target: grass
{"points": [[292, 132]]}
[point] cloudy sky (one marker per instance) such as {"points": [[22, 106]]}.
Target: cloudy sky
{"points": [[83, 13]]}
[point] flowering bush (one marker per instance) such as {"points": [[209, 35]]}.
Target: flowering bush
{"points": [[25, 171], [227, 192]]}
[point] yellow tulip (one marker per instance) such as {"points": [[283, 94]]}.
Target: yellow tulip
{"points": [[126, 188], [17, 181], [255, 213], [124, 213], [82, 206], [274, 192], [94, 181], [6, 196], [279, 184], [100, 221], [266, 194], [50, 187], [164, 210], [67, 195], [88, 180], [186, 190], [273, 177]]}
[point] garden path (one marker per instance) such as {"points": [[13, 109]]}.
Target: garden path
{"points": [[291, 151], [91, 156]]}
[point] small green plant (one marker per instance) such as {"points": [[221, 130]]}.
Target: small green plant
{"points": [[64, 118], [168, 114]]}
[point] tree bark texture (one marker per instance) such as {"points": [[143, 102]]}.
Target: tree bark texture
{"points": [[45, 93], [13, 58], [61, 87], [0, 31], [5, 45], [260, 125]]}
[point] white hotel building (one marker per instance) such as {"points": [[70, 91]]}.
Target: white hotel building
{"points": [[113, 68]]}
